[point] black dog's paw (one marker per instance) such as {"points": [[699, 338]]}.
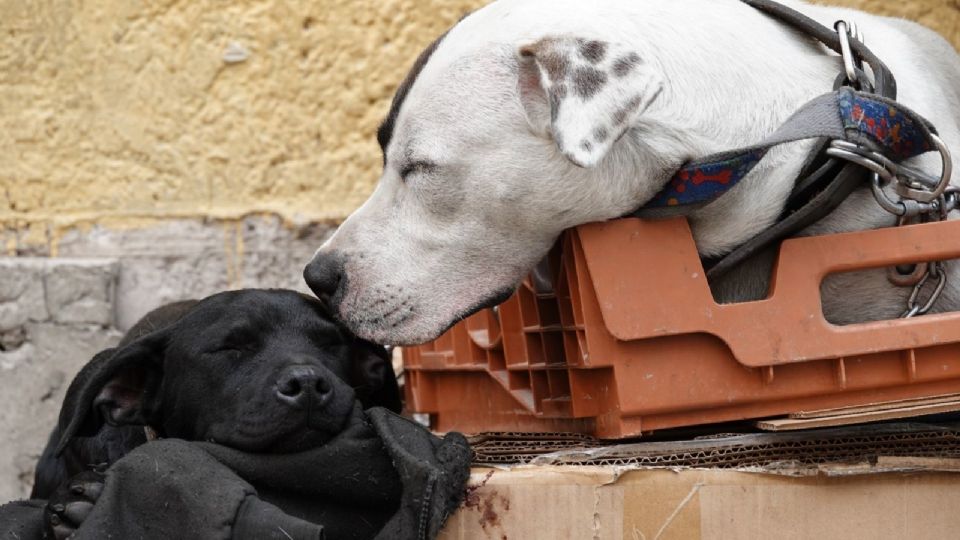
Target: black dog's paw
{"points": [[71, 504]]}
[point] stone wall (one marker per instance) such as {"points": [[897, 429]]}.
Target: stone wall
{"points": [[54, 315], [160, 150]]}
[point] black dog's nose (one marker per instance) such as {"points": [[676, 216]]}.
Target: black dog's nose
{"points": [[302, 386], [324, 274]]}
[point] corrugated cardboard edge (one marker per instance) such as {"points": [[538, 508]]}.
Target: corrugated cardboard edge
{"points": [[861, 416]]}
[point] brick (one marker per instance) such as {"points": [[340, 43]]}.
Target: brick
{"points": [[81, 291]]}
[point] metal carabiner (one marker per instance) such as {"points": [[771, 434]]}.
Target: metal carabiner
{"points": [[847, 31], [919, 185], [936, 271], [860, 155], [912, 183], [897, 208]]}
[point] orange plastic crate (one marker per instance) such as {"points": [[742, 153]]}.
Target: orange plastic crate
{"points": [[617, 333]]}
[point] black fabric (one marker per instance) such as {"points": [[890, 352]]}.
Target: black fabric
{"points": [[22, 519], [382, 477]]}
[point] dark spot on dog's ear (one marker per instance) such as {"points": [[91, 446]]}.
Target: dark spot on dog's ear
{"points": [[588, 81], [593, 51], [600, 134], [620, 116], [625, 64], [556, 65], [586, 145]]}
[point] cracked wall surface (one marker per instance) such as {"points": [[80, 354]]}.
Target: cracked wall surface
{"points": [[169, 149]]}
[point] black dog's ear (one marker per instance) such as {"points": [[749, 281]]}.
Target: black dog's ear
{"points": [[374, 380], [119, 386]]}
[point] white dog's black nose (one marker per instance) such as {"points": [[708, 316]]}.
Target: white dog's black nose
{"points": [[324, 275], [303, 386]]}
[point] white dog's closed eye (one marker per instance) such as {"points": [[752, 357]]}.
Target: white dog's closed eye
{"points": [[584, 93]]}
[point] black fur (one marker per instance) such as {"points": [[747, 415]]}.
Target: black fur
{"points": [[385, 131], [110, 443], [216, 370]]}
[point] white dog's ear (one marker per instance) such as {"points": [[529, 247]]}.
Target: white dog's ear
{"points": [[584, 93]]}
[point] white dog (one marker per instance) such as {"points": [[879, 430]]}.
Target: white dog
{"points": [[480, 179]]}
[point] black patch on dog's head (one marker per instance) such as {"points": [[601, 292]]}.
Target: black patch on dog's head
{"points": [[385, 131]]}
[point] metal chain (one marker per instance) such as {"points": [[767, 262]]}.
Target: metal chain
{"points": [[916, 306], [922, 197]]}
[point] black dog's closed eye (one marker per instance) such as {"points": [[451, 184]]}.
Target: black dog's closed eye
{"points": [[419, 166]]}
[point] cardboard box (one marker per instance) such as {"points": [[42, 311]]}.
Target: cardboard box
{"points": [[891, 497]]}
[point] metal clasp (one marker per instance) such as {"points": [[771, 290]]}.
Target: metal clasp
{"points": [[935, 270], [918, 185], [847, 30], [921, 195], [920, 191]]}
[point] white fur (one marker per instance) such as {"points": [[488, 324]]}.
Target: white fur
{"points": [[716, 75]]}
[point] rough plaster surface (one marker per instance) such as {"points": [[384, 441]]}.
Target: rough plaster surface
{"points": [[203, 108]]}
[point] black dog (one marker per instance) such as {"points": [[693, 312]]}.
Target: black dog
{"points": [[111, 442], [256, 370]]}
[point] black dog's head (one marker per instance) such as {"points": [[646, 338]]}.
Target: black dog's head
{"points": [[256, 370]]}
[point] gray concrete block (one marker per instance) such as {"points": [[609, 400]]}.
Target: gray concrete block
{"points": [[146, 283], [81, 291], [174, 238], [193, 258], [21, 292], [33, 387]]}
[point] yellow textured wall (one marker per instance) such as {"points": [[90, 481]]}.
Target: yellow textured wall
{"points": [[117, 111], [127, 109]]}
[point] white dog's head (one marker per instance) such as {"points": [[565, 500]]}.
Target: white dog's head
{"points": [[502, 136]]}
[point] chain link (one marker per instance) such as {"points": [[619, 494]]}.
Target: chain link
{"points": [[921, 197], [935, 271]]}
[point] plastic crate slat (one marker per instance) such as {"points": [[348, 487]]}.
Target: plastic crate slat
{"points": [[617, 352]]}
